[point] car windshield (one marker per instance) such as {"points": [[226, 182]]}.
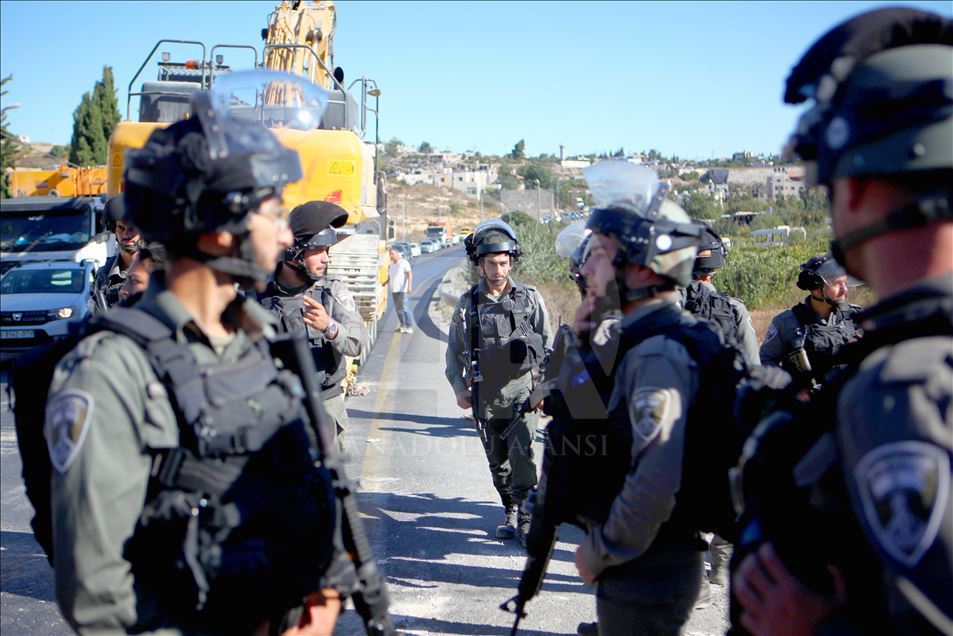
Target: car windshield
{"points": [[42, 281], [44, 230]]}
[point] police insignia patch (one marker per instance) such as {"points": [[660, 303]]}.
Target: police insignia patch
{"points": [[771, 333], [67, 421], [904, 487], [649, 406]]}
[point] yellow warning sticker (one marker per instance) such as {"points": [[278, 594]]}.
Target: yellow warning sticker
{"points": [[341, 167]]}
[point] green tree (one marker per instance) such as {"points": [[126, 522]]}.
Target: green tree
{"points": [[105, 96], [507, 179], [533, 171], [88, 146], [701, 206], [457, 208], [390, 147], [9, 145], [425, 148], [519, 150], [619, 153]]}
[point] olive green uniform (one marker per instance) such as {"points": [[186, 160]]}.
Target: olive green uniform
{"points": [[107, 409], [510, 459]]}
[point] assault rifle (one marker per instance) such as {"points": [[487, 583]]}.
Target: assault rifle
{"points": [[370, 598]]}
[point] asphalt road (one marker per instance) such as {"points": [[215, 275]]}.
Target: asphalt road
{"points": [[424, 490]]}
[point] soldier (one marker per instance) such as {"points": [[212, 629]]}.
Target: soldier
{"points": [[149, 263], [185, 497], [499, 336], [728, 314], [645, 554], [805, 339], [305, 298], [111, 275], [874, 473]]}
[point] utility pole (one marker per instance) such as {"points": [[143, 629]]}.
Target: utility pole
{"points": [[403, 203], [537, 198], [480, 192]]}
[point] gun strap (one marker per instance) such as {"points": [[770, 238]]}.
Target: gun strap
{"points": [[474, 326]]}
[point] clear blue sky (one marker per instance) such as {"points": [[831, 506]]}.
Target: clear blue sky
{"points": [[696, 79]]}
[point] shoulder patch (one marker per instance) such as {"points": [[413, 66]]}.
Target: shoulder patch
{"points": [[343, 295], [67, 421], [770, 334], [649, 408], [904, 488]]}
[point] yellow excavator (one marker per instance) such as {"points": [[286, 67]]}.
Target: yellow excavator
{"points": [[339, 162]]}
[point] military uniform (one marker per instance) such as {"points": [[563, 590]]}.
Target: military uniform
{"points": [[649, 570], [728, 314], [109, 279], [288, 307], [800, 327], [108, 421], [502, 387]]}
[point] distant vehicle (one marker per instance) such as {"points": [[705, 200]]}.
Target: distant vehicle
{"points": [[429, 246], [780, 235], [454, 239], [51, 229], [40, 301], [440, 230], [463, 232], [414, 249], [404, 250]]}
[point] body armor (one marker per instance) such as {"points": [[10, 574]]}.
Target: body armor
{"points": [[705, 303], [506, 345], [239, 518], [822, 342], [106, 284], [289, 309]]}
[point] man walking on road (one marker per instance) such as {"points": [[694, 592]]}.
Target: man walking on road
{"points": [[499, 337], [401, 283]]}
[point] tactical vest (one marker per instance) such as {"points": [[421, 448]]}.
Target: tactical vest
{"points": [[705, 303], [585, 462], [239, 520], [290, 313], [790, 483], [821, 341], [105, 284], [505, 346]]}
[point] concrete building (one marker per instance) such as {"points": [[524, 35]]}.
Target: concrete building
{"points": [[527, 201]]}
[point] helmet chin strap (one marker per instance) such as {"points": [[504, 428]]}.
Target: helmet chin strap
{"points": [[302, 271], [628, 294], [243, 268]]}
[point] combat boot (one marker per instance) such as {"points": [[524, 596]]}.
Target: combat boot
{"points": [[588, 629], [507, 529], [523, 520]]}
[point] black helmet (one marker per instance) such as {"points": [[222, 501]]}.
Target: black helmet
{"points": [[492, 237], [114, 210], [712, 254], [312, 225], [653, 231], [820, 270], [883, 102], [575, 243], [209, 172]]}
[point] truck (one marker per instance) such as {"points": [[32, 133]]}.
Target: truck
{"points": [[338, 158], [62, 181], [52, 229], [440, 230]]}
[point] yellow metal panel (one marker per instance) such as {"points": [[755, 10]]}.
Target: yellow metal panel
{"points": [[128, 134]]}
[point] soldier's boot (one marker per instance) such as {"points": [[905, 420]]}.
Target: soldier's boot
{"points": [[507, 529], [704, 595], [588, 629], [720, 558], [523, 520]]}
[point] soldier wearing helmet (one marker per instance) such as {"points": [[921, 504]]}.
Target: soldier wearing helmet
{"points": [[111, 275], [644, 247], [499, 336], [185, 494], [305, 299], [702, 300], [873, 466], [806, 339]]}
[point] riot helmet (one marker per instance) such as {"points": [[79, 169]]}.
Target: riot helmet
{"points": [[313, 225], [653, 231], [575, 242], [821, 270], [211, 171], [882, 96], [712, 254], [492, 237]]}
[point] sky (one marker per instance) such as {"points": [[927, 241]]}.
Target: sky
{"points": [[692, 79]]}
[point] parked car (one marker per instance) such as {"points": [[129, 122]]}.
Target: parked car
{"points": [[414, 249], [40, 301], [404, 250], [428, 246]]}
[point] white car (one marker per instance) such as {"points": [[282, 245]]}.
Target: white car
{"points": [[414, 249], [428, 247], [40, 302]]}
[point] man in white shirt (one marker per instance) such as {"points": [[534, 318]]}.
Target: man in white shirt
{"points": [[401, 283]]}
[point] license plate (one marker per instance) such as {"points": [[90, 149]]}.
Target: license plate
{"points": [[20, 334]]}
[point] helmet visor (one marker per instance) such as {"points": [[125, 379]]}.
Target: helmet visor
{"points": [[276, 99], [830, 271]]}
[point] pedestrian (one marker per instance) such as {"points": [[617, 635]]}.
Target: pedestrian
{"points": [[499, 337], [148, 263], [110, 276], [872, 478], [401, 278], [806, 339], [185, 495], [307, 300], [643, 553], [728, 314]]}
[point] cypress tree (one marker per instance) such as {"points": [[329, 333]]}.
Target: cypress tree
{"points": [[88, 145], [105, 96], [9, 146]]}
